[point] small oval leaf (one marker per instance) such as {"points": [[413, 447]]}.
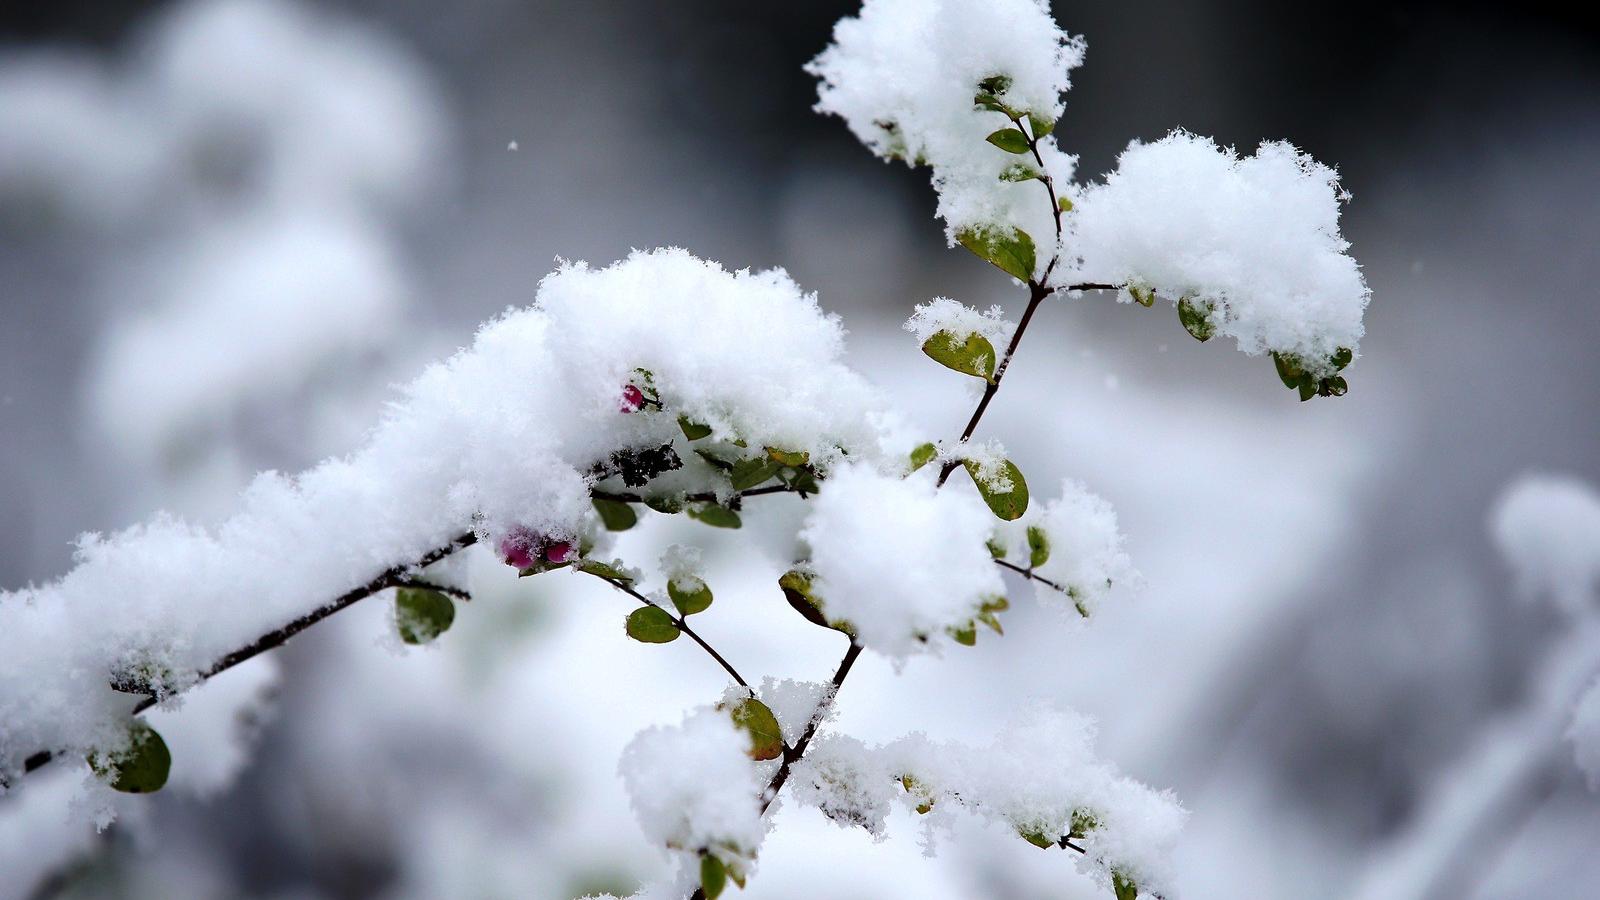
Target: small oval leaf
{"points": [[615, 515], [652, 625], [689, 601], [1006, 492], [1038, 547], [1010, 249], [421, 615], [713, 876], [715, 516], [973, 355], [1011, 140], [748, 473], [922, 455], [693, 430], [756, 719], [141, 767], [1196, 319]]}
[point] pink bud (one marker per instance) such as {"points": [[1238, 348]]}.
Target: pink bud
{"points": [[632, 399], [558, 552]]}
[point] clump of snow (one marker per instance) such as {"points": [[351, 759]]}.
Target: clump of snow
{"points": [[944, 314], [847, 781], [1254, 239], [796, 704], [897, 558], [503, 438], [680, 565], [903, 74], [1547, 527], [1040, 777], [986, 461], [1086, 556], [694, 789]]}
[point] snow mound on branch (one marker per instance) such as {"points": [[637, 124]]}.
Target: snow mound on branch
{"points": [[1040, 777], [1255, 238], [504, 435], [903, 74], [1086, 555], [694, 788], [899, 559]]}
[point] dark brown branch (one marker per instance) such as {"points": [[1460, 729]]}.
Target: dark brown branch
{"points": [[397, 576], [702, 497], [682, 625], [1028, 574]]}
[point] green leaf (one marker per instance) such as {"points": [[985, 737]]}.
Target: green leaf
{"points": [[139, 768], [1083, 822], [1064, 204], [714, 460], [922, 455], [713, 876], [689, 602], [1333, 387], [422, 615], [995, 84], [1011, 140], [1196, 319], [1037, 838], [966, 635], [1040, 125], [973, 356], [747, 473], [1009, 504], [756, 719], [1020, 172], [1010, 249], [667, 504], [1288, 369], [692, 430], [715, 516], [796, 587], [612, 570], [793, 458], [996, 549], [1342, 358], [993, 102], [1307, 386], [1124, 886], [1038, 547], [616, 515], [652, 625], [1142, 295]]}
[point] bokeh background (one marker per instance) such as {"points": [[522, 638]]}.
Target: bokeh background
{"points": [[228, 227]]}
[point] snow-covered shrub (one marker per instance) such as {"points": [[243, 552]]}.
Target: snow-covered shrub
{"points": [[667, 385]]}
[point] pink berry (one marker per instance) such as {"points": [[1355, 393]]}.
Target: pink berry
{"points": [[632, 399], [517, 548], [558, 552]]}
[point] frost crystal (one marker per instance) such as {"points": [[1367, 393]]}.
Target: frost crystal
{"points": [[897, 558]]}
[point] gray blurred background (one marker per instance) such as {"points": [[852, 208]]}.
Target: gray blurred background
{"points": [[1324, 628]]}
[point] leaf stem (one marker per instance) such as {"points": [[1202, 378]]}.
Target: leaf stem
{"points": [[681, 624]]}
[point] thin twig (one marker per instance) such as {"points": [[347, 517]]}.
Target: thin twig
{"points": [[1029, 574], [396, 576], [682, 625], [703, 496]]}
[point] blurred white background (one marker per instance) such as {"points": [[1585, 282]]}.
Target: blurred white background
{"points": [[228, 226]]}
